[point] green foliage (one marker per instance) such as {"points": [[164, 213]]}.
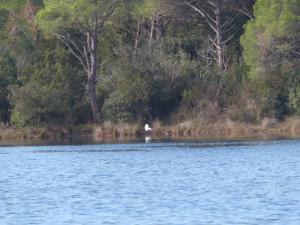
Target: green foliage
{"points": [[172, 77], [3, 18], [8, 76], [129, 96], [145, 7], [294, 100], [11, 4], [209, 91], [127, 103], [17, 5], [146, 87], [269, 39], [294, 92], [270, 47], [60, 14], [55, 15], [54, 93]]}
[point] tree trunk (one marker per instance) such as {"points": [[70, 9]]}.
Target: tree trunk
{"points": [[219, 34], [137, 38], [152, 30], [159, 27], [156, 29], [93, 97], [92, 77]]}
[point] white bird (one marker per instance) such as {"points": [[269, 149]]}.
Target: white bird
{"points": [[148, 139], [147, 128]]}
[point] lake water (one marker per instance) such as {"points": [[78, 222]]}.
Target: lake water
{"points": [[162, 183]]}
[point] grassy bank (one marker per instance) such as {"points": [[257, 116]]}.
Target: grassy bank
{"points": [[227, 129], [268, 128]]}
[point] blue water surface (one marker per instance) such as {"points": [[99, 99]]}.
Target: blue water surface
{"points": [[162, 183]]}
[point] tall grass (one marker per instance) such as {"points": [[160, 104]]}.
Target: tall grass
{"points": [[223, 128]]}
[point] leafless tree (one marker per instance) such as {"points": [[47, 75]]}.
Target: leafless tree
{"points": [[85, 51], [220, 16]]}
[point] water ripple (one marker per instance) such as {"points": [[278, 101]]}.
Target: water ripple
{"points": [[161, 183]]}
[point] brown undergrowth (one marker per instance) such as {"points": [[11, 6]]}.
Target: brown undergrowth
{"points": [[268, 128]]}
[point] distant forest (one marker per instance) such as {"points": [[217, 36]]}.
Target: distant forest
{"points": [[89, 61]]}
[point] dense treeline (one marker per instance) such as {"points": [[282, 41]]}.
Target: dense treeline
{"points": [[81, 61]]}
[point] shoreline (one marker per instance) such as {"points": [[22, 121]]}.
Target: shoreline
{"points": [[114, 133]]}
